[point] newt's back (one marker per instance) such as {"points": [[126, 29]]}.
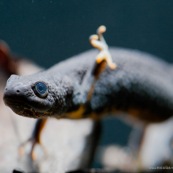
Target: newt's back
{"points": [[141, 85]]}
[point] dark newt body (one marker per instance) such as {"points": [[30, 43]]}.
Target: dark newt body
{"points": [[141, 86]]}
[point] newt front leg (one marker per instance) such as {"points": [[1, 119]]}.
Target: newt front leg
{"points": [[102, 59], [35, 139]]}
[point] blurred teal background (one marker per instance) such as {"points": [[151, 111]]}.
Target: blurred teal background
{"points": [[48, 31]]}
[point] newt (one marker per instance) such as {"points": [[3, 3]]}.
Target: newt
{"points": [[119, 81]]}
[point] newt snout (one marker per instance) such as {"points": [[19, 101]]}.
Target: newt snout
{"points": [[10, 93], [15, 94], [11, 90]]}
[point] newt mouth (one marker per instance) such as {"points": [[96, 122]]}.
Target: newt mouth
{"points": [[23, 109]]}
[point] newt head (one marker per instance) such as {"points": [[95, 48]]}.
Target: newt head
{"points": [[38, 95]]}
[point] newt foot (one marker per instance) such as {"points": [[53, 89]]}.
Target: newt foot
{"points": [[32, 153], [98, 41]]}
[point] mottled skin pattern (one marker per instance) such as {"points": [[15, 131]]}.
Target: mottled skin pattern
{"points": [[141, 86]]}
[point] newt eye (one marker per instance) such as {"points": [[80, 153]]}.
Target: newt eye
{"points": [[40, 89]]}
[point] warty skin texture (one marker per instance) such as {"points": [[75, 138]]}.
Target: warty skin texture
{"points": [[141, 86]]}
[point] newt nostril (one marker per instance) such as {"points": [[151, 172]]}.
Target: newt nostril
{"points": [[18, 91]]}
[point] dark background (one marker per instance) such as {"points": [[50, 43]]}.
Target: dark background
{"points": [[47, 31]]}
